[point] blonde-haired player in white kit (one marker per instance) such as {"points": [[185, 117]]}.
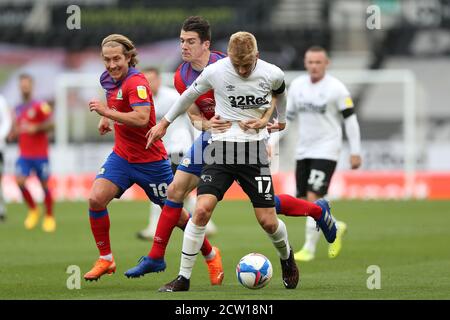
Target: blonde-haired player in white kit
{"points": [[321, 104], [177, 141], [243, 87]]}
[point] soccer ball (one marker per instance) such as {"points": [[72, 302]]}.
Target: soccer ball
{"points": [[254, 271]]}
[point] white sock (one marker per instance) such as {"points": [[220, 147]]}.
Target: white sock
{"points": [[192, 242], [312, 235], [108, 257], [280, 240]]}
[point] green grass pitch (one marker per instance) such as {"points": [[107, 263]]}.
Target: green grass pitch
{"points": [[407, 240]]}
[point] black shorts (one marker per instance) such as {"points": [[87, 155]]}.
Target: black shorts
{"points": [[244, 162], [314, 175]]}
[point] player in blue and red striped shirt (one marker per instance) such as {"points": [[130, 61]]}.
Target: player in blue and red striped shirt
{"points": [[130, 106], [195, 40]]}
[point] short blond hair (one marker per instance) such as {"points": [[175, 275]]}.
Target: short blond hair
{"points": [[129, 50], [242, 45]]}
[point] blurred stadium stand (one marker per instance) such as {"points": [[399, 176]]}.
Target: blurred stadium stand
{"points": [[414, 36]]}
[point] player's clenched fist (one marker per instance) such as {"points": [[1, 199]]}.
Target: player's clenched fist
{"points": [[104, 126], [98, 106]]}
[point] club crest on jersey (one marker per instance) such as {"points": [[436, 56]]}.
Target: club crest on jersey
{"points": [[264, 85], [119, 95], [230, 87], [31, 113], [142, 92]]}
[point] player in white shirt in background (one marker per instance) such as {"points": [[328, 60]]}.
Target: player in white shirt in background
{"points": [[178, 140], [322, 104], [5, 128]]}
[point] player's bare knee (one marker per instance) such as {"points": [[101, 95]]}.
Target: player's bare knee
{"points": [[96, 201], [175, 192], [20, 182], [202, 215], [269, 225]]}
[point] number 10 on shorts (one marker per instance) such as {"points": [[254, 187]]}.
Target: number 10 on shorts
{"points": [[160, 190], [261, 182]]}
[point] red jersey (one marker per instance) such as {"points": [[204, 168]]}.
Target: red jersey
{"points": [[186, 75], [33, 145], [123, 96]]}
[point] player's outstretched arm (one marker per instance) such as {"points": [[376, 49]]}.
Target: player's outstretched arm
{"points": [[157, 132]]}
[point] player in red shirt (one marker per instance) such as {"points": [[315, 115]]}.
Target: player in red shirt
{"points": [[33, 120], [196, 53], [130, 106]]}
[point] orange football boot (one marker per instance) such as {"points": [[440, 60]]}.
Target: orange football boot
{"points": [[215, 268], [101, 267]]}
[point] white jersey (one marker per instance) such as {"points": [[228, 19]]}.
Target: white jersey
{"points": [[240, 98], [5, 122], [319, 108], [180, 135]]}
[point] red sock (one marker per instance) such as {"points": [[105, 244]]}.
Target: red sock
{"points": [[293, 207], [48, 200], [168, 220], [206, 247], [99, 220], [28, 198]]}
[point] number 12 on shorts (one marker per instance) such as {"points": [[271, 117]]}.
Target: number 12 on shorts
{"points": [[260, 184]]}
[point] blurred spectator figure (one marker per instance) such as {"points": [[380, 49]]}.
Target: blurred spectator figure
{"points": [[32, 123]]}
